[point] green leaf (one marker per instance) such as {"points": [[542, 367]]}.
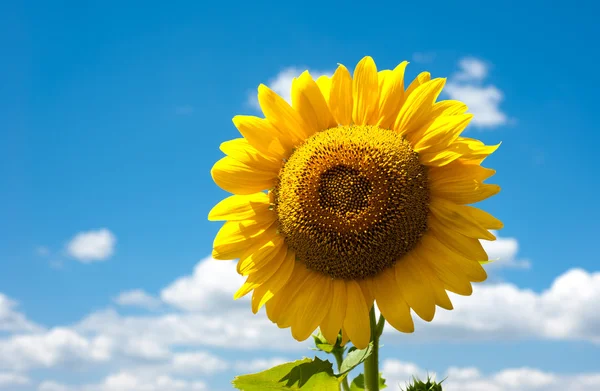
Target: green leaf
{"points": [[358, 384], [305, 375], [355, 357]]}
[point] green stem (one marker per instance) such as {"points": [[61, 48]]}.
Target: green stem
{"points": [[339, 358], [372, 362]]}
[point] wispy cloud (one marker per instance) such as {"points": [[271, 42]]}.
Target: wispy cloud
{"points": [[138, 298], [92, 246], [42, 251], [399, 373], [484, 101]]}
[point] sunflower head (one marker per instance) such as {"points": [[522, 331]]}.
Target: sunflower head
{"points": [[358, 192]]}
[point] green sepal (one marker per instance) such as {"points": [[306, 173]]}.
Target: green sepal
{"points": [[429, 385], [322, 344]]}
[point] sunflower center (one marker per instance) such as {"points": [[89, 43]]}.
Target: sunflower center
{"points": [[352, 200]]}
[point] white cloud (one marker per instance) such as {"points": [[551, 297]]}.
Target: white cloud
{"points": [[398, 373], [127, 381], [53, 386], [150, 344], [59, 346], [10, 380], [197, 363], [12, 320], [282, 83], [211, 286], [138, 298], [568, 310], [503, 252], [483, 101], [259, 364], [92, 245], [472, 69]]}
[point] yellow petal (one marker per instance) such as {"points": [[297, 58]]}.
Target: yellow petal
{"points": [[267, 291], [324, 83], [333, 320], [391, 95], [473, 151], [357, 323], [261, 252], [447, 256], [441, 133], [456, 172], [261, 135], [340, 99], [308, 100], [239, 178], [295, 301], [482, 218], [365, 91], [453, 216], [438, 158], [241, 207], [441, 297], [390, 301], [422, 78], [365, 286], [449, 107], [261, 275], [313, 308], [468, 247], [281, 115], [279, 303], [415, 287], [452, 276], [416, 110], [465, 192], [235, 236]]}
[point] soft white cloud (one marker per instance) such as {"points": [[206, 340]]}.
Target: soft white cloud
{"points": [[127, 381], [137, 298], [197, 363], [503, 253], [483, 100], [11, 320], [472, 69], [50, 385], [398, 373], [282, 83], [12, 380], [568, 310], [92, 246], [259, 364], [211, 286], [59, 346]]}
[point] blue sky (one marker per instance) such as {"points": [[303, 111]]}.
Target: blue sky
{"points": [[110, 119]]}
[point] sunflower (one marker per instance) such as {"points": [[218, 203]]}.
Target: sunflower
{"points": [[355, 193]]}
